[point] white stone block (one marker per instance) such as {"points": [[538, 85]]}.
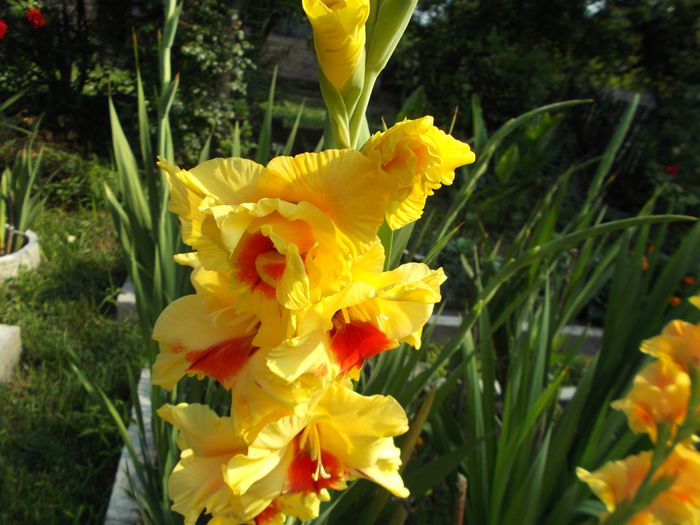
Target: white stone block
{"points": [[27, 257], [126, 302], [10, 350]]}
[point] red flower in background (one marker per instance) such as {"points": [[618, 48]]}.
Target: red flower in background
{"points": [[36, 18], [672, 170], [3, 28]]}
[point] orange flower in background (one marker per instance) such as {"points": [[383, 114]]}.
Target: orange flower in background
{"points": [[619, 481], [674, 301], [35, 18], [689, 280], [679, 341], [660, 395]]}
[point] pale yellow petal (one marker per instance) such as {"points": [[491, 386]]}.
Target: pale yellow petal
{"points": [[300, 355], [358, 430], [202, 430]]}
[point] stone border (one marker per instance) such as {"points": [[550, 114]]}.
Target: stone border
{"points": [[122, 508], [447, 326], [589, 338], [10, 351], [27, 257], [126, 302]]}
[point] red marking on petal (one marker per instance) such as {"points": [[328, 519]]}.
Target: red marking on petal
{"points": [[300, 473], [268, 515], [270, 267], [356, 341], [301, 470], [223, 360], [275, 270], [247, 251]]}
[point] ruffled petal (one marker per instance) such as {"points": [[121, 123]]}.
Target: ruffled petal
{"points": [[341, 183], [193, 342], [415, 159]]}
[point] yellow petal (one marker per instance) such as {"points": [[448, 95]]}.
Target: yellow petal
{"points": [[415, 158], [660, 395], [300, 355], [341, 183], [202, 430], [358, 430], [193, 341], [679, 341], [265, 458], [196, 484], [339, 35], [260, 397]]}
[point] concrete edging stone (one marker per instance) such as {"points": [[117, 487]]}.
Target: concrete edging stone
{"points": [[27, 257]]}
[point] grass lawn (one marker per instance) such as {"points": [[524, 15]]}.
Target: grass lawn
{"points": [[58, 447]]}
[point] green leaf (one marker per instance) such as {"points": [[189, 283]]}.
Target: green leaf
{"points": [[262, 155], [507, 163], [293, 132]]}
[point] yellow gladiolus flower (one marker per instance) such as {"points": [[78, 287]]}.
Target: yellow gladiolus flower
{"points": [[680, 342], [345, 436], [194, 341], [339, 36], [660, 395], [374, 313], [283, 233], [415, 159], [619, 481], [197, 484]]}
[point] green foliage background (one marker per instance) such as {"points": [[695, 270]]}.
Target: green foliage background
{"points": [[519, 54]]}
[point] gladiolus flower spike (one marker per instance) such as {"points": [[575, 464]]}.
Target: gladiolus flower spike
{"points": [[665, 404], [291, 298]]}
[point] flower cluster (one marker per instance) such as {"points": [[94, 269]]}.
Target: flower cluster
{"points": [[664, 404], [291, 299]]}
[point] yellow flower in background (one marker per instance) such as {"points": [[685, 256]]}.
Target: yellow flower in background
{"points": [[660, 395], [339, 36], [284, 233], [679, 341], [619, 481], [415, 159], [695, 301], [374, 313], [344, 437]]}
